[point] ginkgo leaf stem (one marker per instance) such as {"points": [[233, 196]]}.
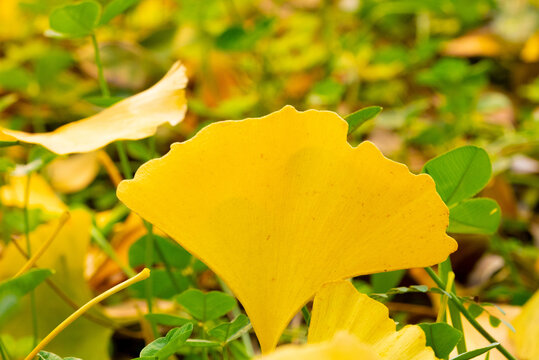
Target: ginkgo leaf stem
{"points": [[144, 274], [464, 311], [110, 167], [63, 219]]}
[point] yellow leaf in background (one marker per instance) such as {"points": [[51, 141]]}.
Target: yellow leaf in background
{"points": [[526, 337], [338, 306], [41, 194], [10, 16], [133, 118], [343, 346], [530, 51], [477, 44], [279, 205], [83, 338], [501, 333], [74, 173]]}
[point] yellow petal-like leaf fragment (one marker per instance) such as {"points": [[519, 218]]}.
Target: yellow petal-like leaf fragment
{"points": [[526, 337], [83, 339], [338, 306], [279, 205], [133, 118], [343, 346], [74, 173], [40, 194]]}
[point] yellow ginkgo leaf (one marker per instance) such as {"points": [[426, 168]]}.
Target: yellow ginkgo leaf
{"points": [[40, 194], [343, 346], [133, 118], [338, 306], [530, 51], [279, 205], [526, 325], [84, 338], [74, 173]]}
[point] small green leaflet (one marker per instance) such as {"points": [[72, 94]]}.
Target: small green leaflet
{"points": [[441, 337], [230, 331], [206, 306], [12, 290], [474, 353], [45, 355], [75, 20], [460, 173], [115, 8], [359, 117], [166, 346], [475, 216]]}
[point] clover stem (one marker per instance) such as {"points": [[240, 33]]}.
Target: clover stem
{"points": [[445, 268], [105, 246], [100, 75], [3, 350], [33, 306], [306, 315], [458, 303], [245, 338], [443, 304], [44, 246], [148, 285], [144, 274], [124, 160]]}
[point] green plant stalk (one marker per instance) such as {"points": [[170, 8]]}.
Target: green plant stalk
{"points": [[443, 304], [455, 300], [100, 75], [124, 161], [306, 315], [245, 338], [3, 350], [29, 252], [148, 285], [161, 254], [104, 245], [445, 268], [126, 169]]}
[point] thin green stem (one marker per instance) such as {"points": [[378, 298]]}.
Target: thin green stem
{"points": [[446, 268], [306, 315], [124, 160], [161, 254], [148, 284], [105, 246], [245, 338], [100, 75], [33, 306], [458, 303], [3, 350]]}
